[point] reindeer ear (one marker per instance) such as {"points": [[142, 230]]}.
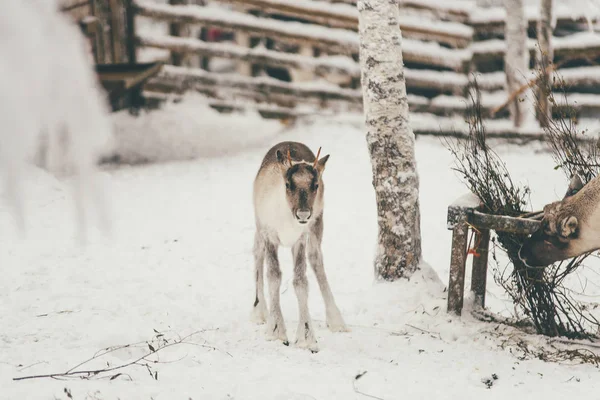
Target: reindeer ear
{"points": [[575, 185], [321, 163], [568, 226], [283, 158]]}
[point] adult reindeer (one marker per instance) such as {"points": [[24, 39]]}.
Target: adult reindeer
{"points": [[569, 228], [288, 207]]}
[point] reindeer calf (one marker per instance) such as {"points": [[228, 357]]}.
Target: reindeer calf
{"points": [[288, 207]]}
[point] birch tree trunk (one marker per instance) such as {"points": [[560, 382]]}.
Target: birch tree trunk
{"points": [[544, 59], [390, 139], [516, 60]]}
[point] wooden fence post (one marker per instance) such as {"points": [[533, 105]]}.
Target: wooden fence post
{"points": [[458, 218], [456, 282], [179, 30], [117, 30], [136, 100], [480, 265]]}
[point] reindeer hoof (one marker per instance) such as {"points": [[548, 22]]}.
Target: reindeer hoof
{"points": [[259, 314], [308, 344], [337, 324], [305, 338], [338, 328], [276, 331]]}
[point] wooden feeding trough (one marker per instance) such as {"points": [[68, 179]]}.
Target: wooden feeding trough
{"points": [[122, 81], [466, 214]]}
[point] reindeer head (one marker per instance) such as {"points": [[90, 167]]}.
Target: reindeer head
{"points": [[303, 184], [560, 235]]}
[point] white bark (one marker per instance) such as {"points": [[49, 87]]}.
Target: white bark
{"points": [[516, 60], [545, 56], [390, 139]]}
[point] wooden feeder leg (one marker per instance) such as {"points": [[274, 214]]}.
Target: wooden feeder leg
{"points": [[480, 264], [456, 282]]}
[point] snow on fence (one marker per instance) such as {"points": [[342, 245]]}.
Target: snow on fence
{"points": [[315, 43], [346, 16], [327, 30]]}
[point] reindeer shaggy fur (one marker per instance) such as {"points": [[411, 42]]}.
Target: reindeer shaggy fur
{"points": [[288, 207]]}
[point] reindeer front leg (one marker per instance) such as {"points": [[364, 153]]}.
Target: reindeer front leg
{"points": [[335, 322], [305, 337], [275, 324], [259, 311]]}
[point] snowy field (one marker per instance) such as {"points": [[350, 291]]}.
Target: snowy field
{"points": [[179, 261]]}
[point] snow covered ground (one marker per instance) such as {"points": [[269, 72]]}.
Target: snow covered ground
{"points": [[179, 261]]}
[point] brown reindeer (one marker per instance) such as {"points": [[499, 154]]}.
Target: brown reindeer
{"points": [[569, 228], [288, 206]]}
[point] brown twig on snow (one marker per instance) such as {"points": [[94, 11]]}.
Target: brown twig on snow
{"points": [[142, 361]]}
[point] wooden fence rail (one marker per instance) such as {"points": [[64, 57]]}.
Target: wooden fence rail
{"points": [[440, 81], [188, 78], [346, 16], [324, 35], [332, 40]]}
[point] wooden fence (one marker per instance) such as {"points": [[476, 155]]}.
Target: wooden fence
{"points": [[315, 43]]}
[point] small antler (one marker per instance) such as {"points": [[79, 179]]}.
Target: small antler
{"points": [[317, 158], [289, 156]]}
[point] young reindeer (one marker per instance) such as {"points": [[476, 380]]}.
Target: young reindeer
{"points": [[569, 228], [288, 207]]}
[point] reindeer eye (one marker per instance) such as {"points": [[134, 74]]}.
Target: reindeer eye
{"points": [[316, 186], [287, 185]]}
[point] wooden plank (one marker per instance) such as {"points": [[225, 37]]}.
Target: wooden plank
{"points": [[503, 223], [442, 81], [258, 55], [130, 76], [492, 19], [568, 47], [332, 15], [98, 46], [273, 110], [69, 5], [118, 31], [346, 17], [332, 40], [337, 40], [130, 14], [180, 30], [459, 207], [451, 10], [480, 267], [456, 280], [188, 78]]}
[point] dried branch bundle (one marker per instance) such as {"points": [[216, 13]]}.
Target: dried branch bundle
{"points": [[537, 292]]}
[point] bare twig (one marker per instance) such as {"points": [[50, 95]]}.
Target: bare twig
{"points": [[357, 377], [144, 360], [519, 91]]}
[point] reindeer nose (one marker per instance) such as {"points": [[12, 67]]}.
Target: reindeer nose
{"points": [[303, 215]]}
